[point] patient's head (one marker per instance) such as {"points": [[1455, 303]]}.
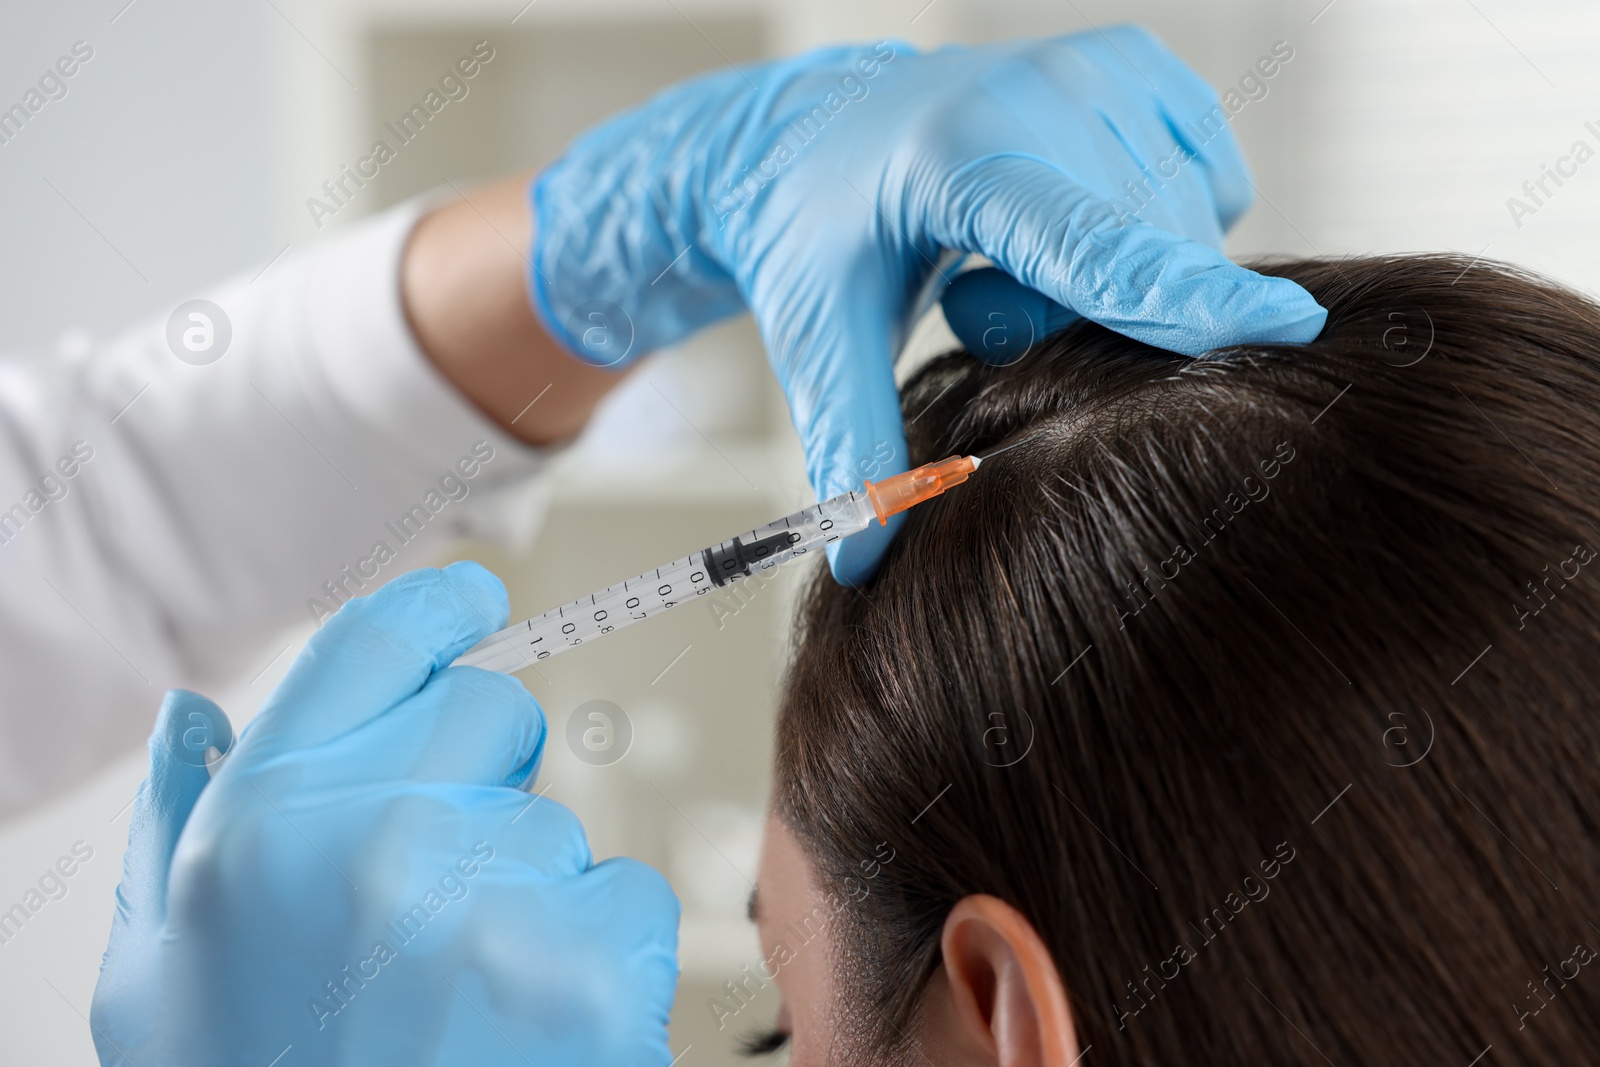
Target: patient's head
{"points": [[1242, 713]]}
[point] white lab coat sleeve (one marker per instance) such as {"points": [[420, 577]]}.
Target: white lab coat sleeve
{"points": [[162, 519]]}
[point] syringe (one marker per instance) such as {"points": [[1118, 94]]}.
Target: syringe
{"points": [[697, 574]]}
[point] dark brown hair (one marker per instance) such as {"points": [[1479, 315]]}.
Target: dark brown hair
{"points": [[1262, 684]]}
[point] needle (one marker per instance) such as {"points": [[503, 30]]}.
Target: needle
{"points": [[977, 460]]}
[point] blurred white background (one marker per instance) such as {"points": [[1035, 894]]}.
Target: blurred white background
{"points": [[186, 149]]}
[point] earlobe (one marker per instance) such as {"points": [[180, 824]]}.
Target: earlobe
{"points": [[1006, 994]]}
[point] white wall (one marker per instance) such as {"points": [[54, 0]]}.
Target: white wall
{"points": [[187, 146], [165, 143]]}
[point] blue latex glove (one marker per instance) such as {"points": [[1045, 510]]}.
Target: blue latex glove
{"points": [[819, 192], [361, 885]]}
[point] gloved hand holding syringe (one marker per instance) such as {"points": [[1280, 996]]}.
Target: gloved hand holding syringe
{"points": [[698, 573]]}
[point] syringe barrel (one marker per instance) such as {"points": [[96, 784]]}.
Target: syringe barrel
{"points": [[788, 538], [696, 575]]}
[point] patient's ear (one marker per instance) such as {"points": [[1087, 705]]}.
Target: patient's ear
{"points": [[1007, 1003]]}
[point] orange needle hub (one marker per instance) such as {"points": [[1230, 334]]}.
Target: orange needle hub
{"points": [[894, 495]]}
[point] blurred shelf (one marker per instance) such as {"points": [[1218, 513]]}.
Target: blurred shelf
{"points": [[755, 472]]}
